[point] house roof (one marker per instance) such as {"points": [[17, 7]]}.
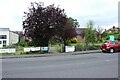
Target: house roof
{"points": [[80, 31], [113, 28], [4, 29]]}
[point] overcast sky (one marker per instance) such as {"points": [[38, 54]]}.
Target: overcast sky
{"points": [[104, 13]]}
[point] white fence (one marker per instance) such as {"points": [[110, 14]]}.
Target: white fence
{"points": [[32, 49], [10, 50], [69, 48], [36, 49]]}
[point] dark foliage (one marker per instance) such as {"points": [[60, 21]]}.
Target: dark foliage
{"points": [[119, 37], [41, 23]]}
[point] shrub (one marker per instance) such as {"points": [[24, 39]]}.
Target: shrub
{"points": [[90, 47], [22, 44], [93, 47], [73, 40], [58, 48], [80, 47]]}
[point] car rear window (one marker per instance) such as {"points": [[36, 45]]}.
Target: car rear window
{"points": [[113, 42], [118, 42], [105, 42]]}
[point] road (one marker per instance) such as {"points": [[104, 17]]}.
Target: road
{"points": [[97, 65]]}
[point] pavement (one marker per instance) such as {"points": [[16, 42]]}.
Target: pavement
{"points": [[49, 54]]}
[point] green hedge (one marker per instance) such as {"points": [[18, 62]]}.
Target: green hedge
{"points": [[34, 52], [80, 47]]}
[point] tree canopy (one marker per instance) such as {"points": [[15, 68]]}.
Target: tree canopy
{"points": [[90, 33], [74, 22], [41, 23]]}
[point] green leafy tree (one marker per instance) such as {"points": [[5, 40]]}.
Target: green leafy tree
{"points": [[74, 22], [119, 37], [119, 34], [90, 33]]}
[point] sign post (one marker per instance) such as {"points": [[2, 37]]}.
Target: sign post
{"points": [[112, 38]]}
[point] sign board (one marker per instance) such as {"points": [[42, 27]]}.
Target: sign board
{"points": [[44, 48], [10, 50], [31, 49], [112, 38], [4, 50], [69, 48], [27, 49], [35, 48]]}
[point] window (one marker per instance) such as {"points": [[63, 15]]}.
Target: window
{"points": [[3, 36], [4, 42], [105, 42], [4, 45], [0, 42]]}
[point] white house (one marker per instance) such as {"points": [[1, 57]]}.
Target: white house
{"points": [[7, 37]]}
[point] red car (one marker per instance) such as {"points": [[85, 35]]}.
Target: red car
{"points": [[110, 46]]}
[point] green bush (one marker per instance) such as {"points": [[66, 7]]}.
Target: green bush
{"points": [[90, 47], [80, 47], [58, 48], [93, 47], [22, 44], [73, 40]]}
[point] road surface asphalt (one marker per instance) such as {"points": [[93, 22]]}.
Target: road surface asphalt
{"points": [[98, 65]]}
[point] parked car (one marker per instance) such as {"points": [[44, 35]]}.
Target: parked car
{"points": [[110, 46]]}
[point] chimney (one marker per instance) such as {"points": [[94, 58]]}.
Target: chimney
{"points": [[113, 27]]}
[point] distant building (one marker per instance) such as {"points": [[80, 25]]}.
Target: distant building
{"points": [[80, 34], [8, 37], [21, 35], [113, 29]]}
